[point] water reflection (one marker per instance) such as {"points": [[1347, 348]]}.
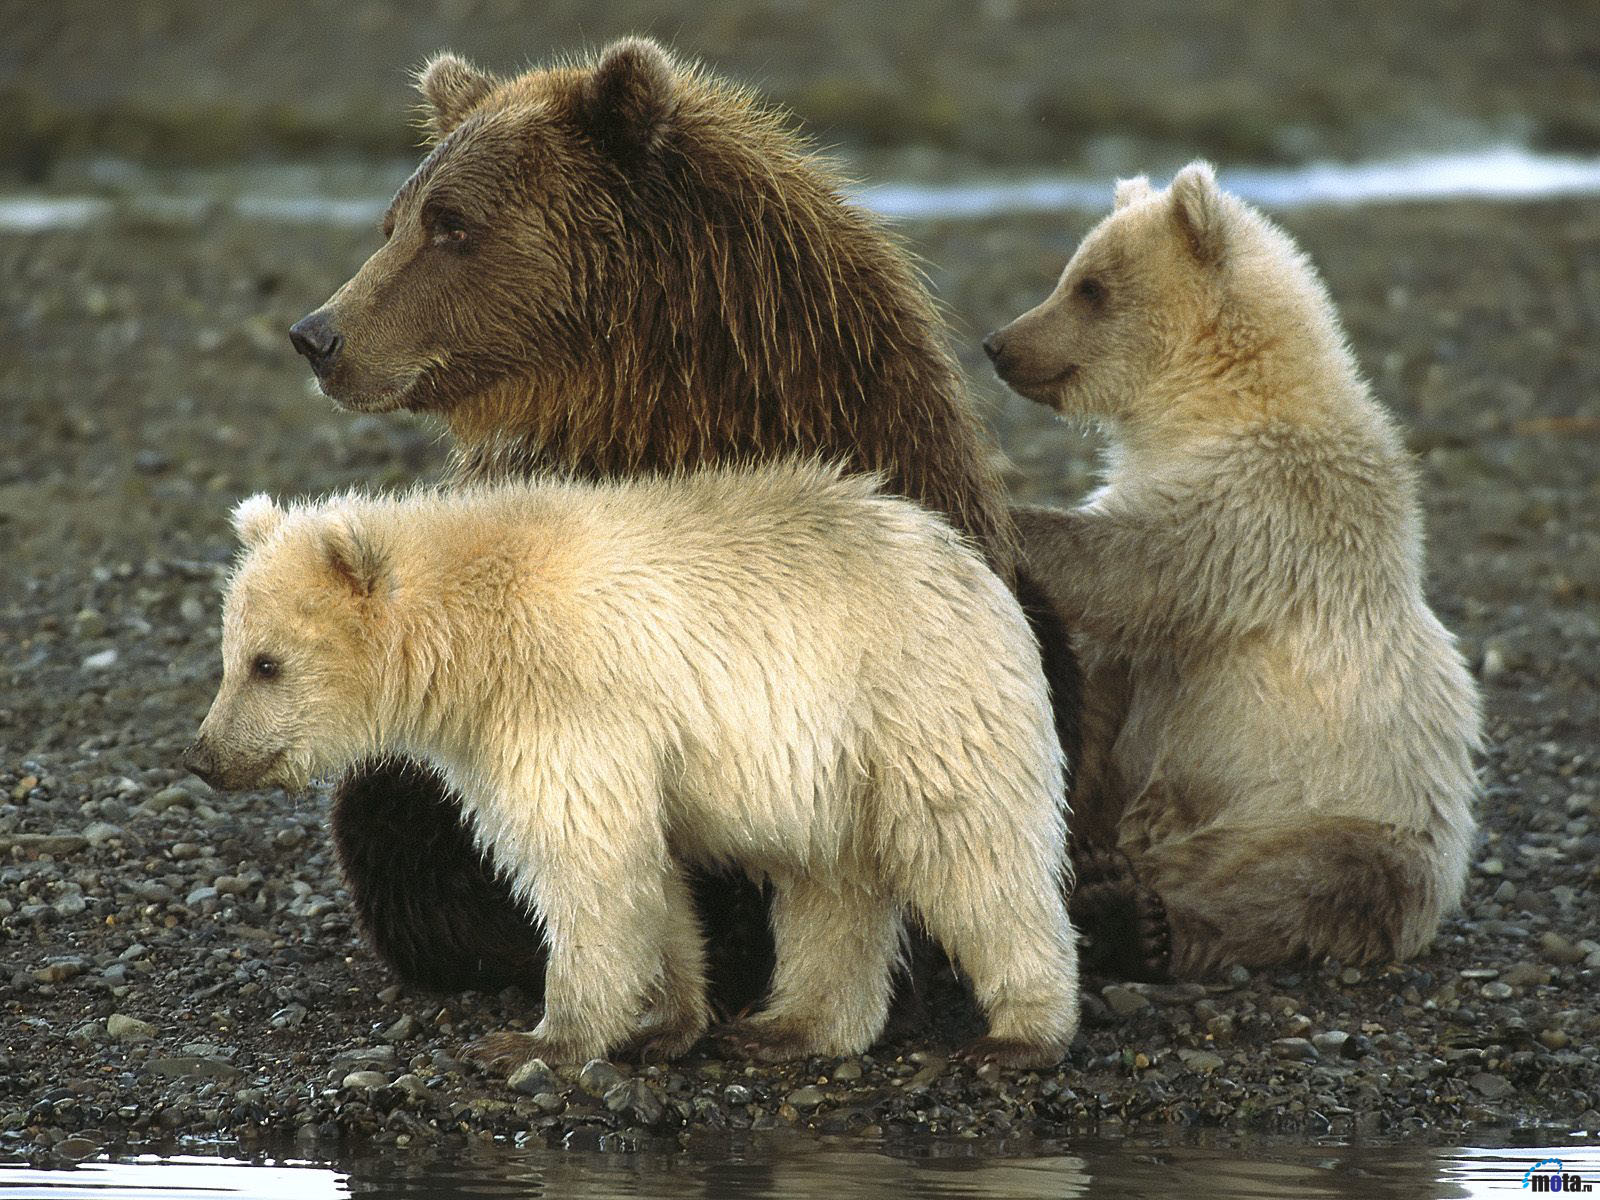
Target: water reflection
{"points": [[780, 1170]]}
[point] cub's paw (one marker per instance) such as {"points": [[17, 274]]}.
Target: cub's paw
{"points": [[659, 1044], [765, 1041], [1013, 1053], [1124, 923], [503, 1053]]}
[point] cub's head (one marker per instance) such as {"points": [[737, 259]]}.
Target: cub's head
{"points": [[1153, 280], [303, 632], [504, 251]]}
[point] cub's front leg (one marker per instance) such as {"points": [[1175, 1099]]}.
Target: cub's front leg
{"points": [[596, 866]]}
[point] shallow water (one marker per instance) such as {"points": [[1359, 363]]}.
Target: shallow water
{"points": [[1101, 1167], [298, 193]]}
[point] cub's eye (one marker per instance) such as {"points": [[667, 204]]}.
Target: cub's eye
{"points": [[449, 228], [1092, 290], [265, 667]]}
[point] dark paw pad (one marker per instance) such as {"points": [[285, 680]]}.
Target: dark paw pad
{"points": [[762, 1042], [1124, 923], [503, 1053], [1011, 1053]]}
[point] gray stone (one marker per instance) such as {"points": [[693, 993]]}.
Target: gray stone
{"points": [[404, 1028], [737, 1094], [1123, 1001], [1332, 1042], [1200, 1060], [193, 1066], [129, 1029], [533, 1078], [1559, 950], [1294, 1048], [598, 1077], [1494, 1087], [848, 1071], [806, 1097], [366, 1081]]}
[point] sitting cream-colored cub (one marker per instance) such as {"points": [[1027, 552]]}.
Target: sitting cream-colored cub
{"points": [[1285, 729], [777, 668]]}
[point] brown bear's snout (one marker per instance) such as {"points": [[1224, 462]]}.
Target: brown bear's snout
{"points": [[316, 340], [201, 759], [995, 346]]}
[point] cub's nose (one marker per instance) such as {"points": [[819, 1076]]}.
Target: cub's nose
{"points": [[994, 346], [315, 339], [201, 760]]}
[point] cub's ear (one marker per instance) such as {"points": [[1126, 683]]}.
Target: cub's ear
{"points": [[452, 87], [629, 100], [256, 518], [1131, 191], [353, 557], [1198, 209]]}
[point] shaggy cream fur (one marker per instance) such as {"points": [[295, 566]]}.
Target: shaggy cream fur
{"points": [[779, 668], [1284, 729]]}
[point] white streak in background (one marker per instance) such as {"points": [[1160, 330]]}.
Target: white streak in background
{"points": [[193, 1177], [36, 214], [1504, 173], [290, 197]]}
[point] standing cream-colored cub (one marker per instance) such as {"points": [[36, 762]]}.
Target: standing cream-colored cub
{"points": [[777, 668], [1285, 729]]}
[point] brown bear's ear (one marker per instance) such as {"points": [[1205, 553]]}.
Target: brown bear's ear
{"points": [[628, 101], [256, 518], [1198, 209], [452, 87], [352, 556], [1131, 191]]}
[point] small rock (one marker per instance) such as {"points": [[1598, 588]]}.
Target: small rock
{"points": [[1332, 1042], [57, 844], [167, 797], [1200, 1060], [365, 1081], [1492, 866], [598, 1077], [533, 1078], [1238, 975], [129, 1029], [200, 895], [1526, 975], [644, 1102], [192, 1066], [1294, 1048], [412, 1084], [71, 905], [59, 970], [737, 1094], [1494, 1087], [806, 1097], [1559, 950], [1123, 1001], [101, 832], [1554, 1039], [1349, 976], [404, 1028], [1496, 991], [104, 660], [848, 1071]]}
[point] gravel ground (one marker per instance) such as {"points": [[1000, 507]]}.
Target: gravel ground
{"points": [[180, 964]]}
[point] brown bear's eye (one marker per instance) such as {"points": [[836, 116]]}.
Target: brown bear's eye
{"points": [[265, 667], [449, 229], [1092, 290]]}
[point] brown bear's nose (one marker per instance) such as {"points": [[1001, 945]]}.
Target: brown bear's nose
{"points": [[314, 338], [201, 760], [994, 346]]}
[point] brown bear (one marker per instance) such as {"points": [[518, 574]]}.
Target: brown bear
{"points": [[623, 266], [776, 668], [1288, 729]]}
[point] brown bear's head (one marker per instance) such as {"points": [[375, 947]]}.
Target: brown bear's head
{"points": [[501, 250], [302, 644]]}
